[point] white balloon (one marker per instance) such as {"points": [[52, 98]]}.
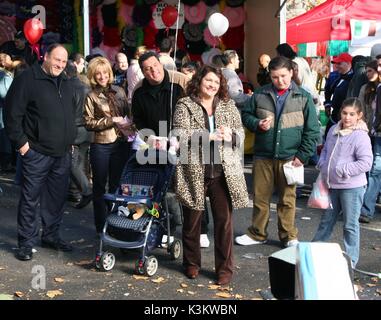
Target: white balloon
{"points": [[218, 24]]}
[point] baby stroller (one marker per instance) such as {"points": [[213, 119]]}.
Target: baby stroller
{"points": [[139, 212]]}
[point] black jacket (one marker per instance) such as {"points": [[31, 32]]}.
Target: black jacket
{"points": [[81, 90], [151, 104], [41, 111], [340, 94]]}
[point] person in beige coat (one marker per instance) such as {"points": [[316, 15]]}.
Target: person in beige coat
{"points": [[211, 136]]}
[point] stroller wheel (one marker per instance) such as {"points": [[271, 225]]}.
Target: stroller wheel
{"points": [[150, 266], [106, 261], [175, 249]]}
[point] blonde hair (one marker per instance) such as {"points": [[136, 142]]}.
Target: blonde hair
{"points": [[95, 66], [139, 51]]}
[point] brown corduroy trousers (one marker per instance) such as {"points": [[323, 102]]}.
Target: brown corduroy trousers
{"points": [[218, 193]]}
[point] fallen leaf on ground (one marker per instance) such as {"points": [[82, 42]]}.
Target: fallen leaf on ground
{"points": [[70, 264], [19, 294], [102, 290], [191, 292], [200, 285], [370, 285], [140, 277], [78, 241], [257, 290], [376, 248], [183, 285], [223, 295], [2, 268], [378, 291], [54, 293], [213, 286], [180, 290], [238, 296], [359, 288], [158, 280], [83, 262], [59, 280], [129, 285], [225, 289]]}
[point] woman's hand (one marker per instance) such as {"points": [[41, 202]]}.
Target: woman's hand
{"points": [[117, 119], [226, 133], [221, 134]]}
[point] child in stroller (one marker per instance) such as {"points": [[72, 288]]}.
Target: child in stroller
{"points": [[139, 211]]}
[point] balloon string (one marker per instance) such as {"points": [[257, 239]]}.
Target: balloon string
{"points": [[36, 48], [174, 57]]}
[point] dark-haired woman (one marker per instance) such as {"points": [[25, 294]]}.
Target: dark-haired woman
{"points": [[211, 135], [367, 93]]}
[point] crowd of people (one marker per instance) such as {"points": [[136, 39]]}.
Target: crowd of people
{"points": [[75, 126]]}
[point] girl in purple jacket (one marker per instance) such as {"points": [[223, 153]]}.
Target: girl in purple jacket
{"points": [[344, 161]]}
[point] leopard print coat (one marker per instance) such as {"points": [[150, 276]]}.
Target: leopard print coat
{"points": [[189, 179]]}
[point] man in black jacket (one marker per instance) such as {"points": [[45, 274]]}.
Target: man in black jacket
{"points": [[151, 100], [39, 119], [152, 109], [339, 89]]}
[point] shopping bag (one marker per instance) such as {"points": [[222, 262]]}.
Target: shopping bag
{"points": [[294, 175], [319, 197]]}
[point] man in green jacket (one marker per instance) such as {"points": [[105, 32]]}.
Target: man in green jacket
{"points": [[284, 119]]}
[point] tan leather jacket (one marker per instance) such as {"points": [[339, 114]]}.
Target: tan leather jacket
{"points": [[98, 116]]}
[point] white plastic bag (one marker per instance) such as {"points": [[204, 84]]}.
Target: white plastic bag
{"points": [[319, 197], [294, 175]]}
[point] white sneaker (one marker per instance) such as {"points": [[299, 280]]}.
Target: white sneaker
{"points": [[164, 241], [245, 240], [292, 243], [204, 241]]}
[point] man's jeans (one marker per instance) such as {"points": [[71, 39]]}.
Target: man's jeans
{"points": [[348, 201], [374, 181]]}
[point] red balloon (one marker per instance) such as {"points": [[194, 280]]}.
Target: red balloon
{"points": [[33, 30], [169, 15]]}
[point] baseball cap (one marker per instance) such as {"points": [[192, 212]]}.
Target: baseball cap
{"points": [[20, 35], [342, 57]]}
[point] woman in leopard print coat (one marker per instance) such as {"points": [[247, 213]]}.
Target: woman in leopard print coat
{"points": [[211, 135]]}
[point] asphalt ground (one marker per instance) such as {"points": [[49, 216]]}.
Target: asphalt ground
{"points": [[55, 275]]}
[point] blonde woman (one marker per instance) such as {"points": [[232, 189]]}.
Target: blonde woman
{"points": [[106, 105]]}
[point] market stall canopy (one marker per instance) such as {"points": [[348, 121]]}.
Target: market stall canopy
{"points": [[331, 20]]}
